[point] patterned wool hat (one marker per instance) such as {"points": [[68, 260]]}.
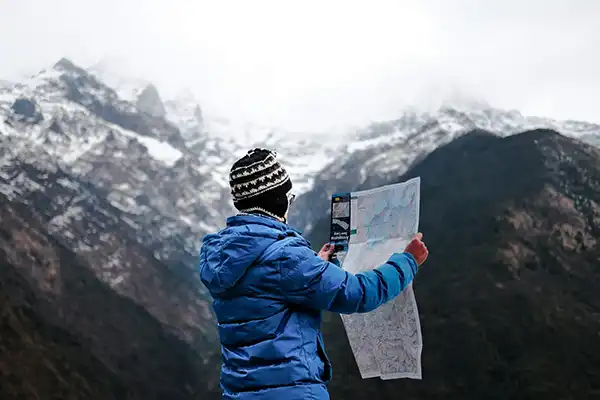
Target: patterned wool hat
{"points": [[260, 184]]}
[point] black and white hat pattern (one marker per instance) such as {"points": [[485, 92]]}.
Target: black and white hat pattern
{"points": [[256, 173], [259, 183]]}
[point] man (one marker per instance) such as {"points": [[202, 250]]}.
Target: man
{"points": [[269, 289]]}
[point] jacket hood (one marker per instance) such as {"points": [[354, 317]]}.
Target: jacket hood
{"points": [[226, 256]]}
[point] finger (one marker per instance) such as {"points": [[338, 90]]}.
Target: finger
{"points": [[419, 236]]}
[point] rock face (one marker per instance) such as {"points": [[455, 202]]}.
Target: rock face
{"points": [[88, 295], [508, 299], [119, 254], [66, 334], [149, 101], [26, 110]]}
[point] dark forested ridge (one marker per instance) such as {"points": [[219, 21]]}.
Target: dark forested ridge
{"points": [[508, 299]]}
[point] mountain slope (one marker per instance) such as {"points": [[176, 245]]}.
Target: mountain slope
{"points": [[92, 132], [65, 334], [508, 299], [56, 361], [103, 208], [121, 255]]}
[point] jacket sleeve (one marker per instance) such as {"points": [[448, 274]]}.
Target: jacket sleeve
{"points": [[308, 280]]}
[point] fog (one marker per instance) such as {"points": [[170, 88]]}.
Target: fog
{"points": [[319, 65]]}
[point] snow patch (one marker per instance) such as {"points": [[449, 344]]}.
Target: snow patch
{"points": [[159, 150]]}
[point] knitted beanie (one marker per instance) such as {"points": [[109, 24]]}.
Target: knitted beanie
{"points": [[260, 184]]}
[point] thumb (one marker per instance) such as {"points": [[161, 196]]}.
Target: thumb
{"points": [[419, 236]]}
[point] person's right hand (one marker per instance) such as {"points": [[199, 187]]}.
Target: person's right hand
{"points": [[417, 249], [326, 251]]}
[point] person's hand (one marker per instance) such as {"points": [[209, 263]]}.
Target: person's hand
{"points": [[417, 249], [326, 251]]}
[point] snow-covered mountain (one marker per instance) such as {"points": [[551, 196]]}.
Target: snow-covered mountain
{"points": [[68, 117], [219, 141], [391, 147], [157, 156], [165, 171]]}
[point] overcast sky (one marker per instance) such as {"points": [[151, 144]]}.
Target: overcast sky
{"points": [[315, 64]]}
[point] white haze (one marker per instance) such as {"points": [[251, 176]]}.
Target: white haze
{"points": [[320, 64]]}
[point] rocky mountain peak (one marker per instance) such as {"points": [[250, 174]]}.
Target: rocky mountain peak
{"points": [[26, 110], [184, 110], [64, 64], [149, 101]]}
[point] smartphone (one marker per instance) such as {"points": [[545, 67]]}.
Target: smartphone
{"points": [[339, 228]]}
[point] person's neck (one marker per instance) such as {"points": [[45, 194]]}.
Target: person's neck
{"points": [[262, 212]]}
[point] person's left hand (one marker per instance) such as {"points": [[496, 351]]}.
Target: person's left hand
{"points": [[326, 251]]}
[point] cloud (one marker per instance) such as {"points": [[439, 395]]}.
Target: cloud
{"points": [[316, 64]]}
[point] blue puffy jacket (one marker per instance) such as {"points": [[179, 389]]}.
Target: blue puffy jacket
{"points": [[269, 289]]}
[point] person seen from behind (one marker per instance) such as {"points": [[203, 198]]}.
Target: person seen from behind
{"points": [[269, 289]]}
